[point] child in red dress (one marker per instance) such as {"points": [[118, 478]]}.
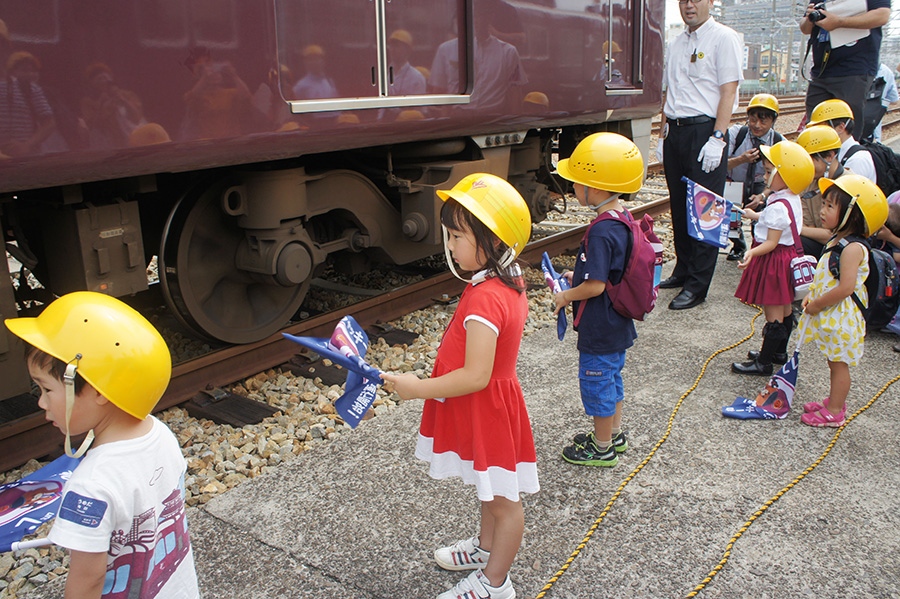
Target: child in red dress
{"points": [[767, 280], [476, 425]]}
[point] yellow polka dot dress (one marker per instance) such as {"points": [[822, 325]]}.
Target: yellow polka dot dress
{"points": [[838, 330]]}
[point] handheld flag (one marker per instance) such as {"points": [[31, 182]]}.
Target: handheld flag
{"points": [[557, 283], [29, 502], [774, 401], [708, 215], [347, 347]]}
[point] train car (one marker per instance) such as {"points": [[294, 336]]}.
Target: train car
{"points": [[249, 144]]}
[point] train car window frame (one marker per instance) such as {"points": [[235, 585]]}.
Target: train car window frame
{"points": [[187, 34], [381, 97]]}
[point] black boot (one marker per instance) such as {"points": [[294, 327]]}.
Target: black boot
{"points": [[774, 333], [738, 248], [780, 356]]}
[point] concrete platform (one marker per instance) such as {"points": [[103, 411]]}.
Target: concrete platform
{"points": [[359, 518]]}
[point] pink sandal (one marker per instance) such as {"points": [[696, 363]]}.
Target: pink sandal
{"points": [[824, 418], [815, 406]]}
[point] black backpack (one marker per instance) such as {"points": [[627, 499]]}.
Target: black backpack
{"points": [[874, 110], [882, 284], [887, 164]]}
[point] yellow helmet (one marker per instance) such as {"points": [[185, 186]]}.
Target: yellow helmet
{"points": [[497, 204], [819, 138], [792, 162], [830, 110], [767, 101], [607, 161], [121, 355], [865, 194]]}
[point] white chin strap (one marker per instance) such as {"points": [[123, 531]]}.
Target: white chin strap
{"points": [[69, 381], [506, 259]]}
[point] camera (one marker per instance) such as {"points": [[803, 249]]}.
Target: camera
{"points": [[815, 15]]}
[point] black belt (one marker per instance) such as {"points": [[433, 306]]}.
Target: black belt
{"points": [[690, 120]]}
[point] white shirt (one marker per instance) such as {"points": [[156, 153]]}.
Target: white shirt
{"points": [[860, 163], [408, 81], [889, 94], [126, 499], [775, 216], [692, 88]]}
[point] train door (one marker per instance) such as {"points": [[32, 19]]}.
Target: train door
{"points": [[617, 43], [351, 54]]}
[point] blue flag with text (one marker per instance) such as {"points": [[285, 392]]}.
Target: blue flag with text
{"points": [[708, 215], [557, 283], [32, 500], [347, 347]]}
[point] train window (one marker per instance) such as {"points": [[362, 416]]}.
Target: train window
{"points": [[176, 23], [38, 24], [330, 48], [396, 57]]}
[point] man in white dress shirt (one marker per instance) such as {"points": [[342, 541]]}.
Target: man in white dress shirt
{"points": [[701, 78]]}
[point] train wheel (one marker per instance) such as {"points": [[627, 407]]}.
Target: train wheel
{"points": [[201, 283]]}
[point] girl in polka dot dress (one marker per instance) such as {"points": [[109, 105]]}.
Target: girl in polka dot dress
{"points": [[852, 207], [476, 425]]}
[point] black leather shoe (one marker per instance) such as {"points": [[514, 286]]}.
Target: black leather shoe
{"points": [[776, 358], [733, 255], [685, 300], [671, 283], [751, 367]]}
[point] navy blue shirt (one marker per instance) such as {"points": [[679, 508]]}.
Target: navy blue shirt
{"points": [[854, 59], [602, 330]]}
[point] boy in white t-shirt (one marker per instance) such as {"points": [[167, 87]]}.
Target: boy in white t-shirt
{"points": [[101, 368]]}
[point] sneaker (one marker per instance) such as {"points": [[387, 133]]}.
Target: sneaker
{"points": [[620, 443], [590, 455], [462, 555], [824, 418], [815, 406], [477, 586]]}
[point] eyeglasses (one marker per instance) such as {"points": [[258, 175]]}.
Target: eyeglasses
{"points": [[694, 2]]}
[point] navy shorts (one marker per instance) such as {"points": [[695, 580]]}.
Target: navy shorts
{"points": [[600, 377]]}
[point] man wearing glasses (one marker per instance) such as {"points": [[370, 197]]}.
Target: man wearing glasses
{"points": [[701, 78]]}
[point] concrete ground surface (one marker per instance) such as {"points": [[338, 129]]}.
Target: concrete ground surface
{"points": [[359, 518]]}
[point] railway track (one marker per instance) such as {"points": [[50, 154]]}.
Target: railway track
{"points": [[32, 436]]}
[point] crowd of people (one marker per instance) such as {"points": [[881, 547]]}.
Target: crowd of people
{"points": [[818, 195]]}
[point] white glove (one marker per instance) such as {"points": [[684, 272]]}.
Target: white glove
{"points": [[660, 142], [711, 154]]}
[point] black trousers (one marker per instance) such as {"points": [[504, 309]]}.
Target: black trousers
{"points": [[695, 261], [851, 89]]}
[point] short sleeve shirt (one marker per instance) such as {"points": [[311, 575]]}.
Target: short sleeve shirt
{"points": [[692, 85], [602, 330], [857, 58], [126, 499]]}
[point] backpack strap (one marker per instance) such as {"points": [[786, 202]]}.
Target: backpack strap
{"points": [[798, 247], [834, 262], [607, 215], [776, 137], [740, 137], [850, 152]]}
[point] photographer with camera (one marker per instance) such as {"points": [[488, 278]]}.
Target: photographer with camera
{"points": [[843, 71]]}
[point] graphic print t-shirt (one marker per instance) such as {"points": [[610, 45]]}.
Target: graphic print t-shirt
{"points": [[127, 499]]}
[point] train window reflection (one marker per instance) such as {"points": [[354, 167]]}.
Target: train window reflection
{"points": [[40, 23], [209, 23]]}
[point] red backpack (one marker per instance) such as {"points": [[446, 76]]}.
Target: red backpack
{"points": [[635, 295]]}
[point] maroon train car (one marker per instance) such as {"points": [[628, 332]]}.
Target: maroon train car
{"points": [[249, 143]]}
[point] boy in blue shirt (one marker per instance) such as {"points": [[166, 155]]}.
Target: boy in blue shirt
{"points": [[601, 167]]}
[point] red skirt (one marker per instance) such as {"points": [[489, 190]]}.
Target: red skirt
{"points": [[767, 280]]}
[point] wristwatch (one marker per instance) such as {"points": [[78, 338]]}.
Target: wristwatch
{"points": [[718, 134]]}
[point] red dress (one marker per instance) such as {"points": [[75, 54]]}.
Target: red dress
{"points": [[483, 437]]}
